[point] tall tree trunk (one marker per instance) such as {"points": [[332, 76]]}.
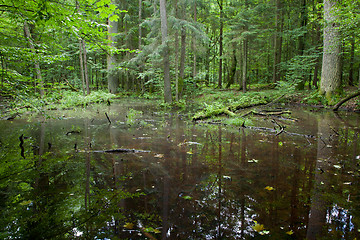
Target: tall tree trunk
{"points": [[231, 78], [244, 65], [182, 58], [176, 54], [140, 79], [81, 60], [140, 18], [352, 57], [86, 77], [164, 29], [277, 41], [194, 45], [220, 43], [301, 39], [113, 79], [331, 65], [37, 65]]}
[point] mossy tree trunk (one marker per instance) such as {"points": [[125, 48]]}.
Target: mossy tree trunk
{"points": [[164, 32], [331, 65]]}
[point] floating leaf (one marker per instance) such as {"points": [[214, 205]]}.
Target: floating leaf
{"points": [[25, 203], [280, 144], [157, 231], [269, 188], [290, 232], [159, 155], [258, 227], [337, 166], [265, 232], [253, 161], [187, 197], [189, 152], [129, 225]]}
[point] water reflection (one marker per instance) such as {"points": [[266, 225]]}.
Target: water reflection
{"points": [[197, 182]]}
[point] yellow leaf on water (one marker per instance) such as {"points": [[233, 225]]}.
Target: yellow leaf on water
{"points": [[290, 232], [189, 152], [129, 225], [258, 227], [159, 155], [157, 231], [269, 188]]}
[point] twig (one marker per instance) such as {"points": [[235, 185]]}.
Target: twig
{"points": [[108, 118]]}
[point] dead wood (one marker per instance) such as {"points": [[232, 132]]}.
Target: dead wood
{"points": [[337, 106], [108, 118], [229, 111], [71, 86], [120, 150]]}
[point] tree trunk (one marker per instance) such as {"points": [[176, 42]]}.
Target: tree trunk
{"points": [[277, 41], [176, 55], [244, 66], [140, 17], [85, 68], [331, 65], [220, 44], [352, 57], [231, 79], [182, 60], [301, 39], [37, 65], [113, 80], [194, 46], [81, 66], [164, 29]]}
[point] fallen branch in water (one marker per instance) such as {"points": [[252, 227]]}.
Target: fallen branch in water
{"points": [[118, 150], [337, 106], [108, 118], [229, 111]]}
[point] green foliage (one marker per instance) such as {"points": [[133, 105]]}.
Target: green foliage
{"points": [[132, 115]]}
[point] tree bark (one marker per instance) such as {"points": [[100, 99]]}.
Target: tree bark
{"points": [[244, 66], [231, 78], [113, 80], [352, 57], [176, 55], [86, 76], [37, 65], [331, 65], [182, 56], [164, 30], [194, 46], [277, 41], [81, 66], [220, 43]]}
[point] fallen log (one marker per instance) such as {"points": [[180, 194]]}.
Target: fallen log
{"points": [[118, 150], [337, 106], [229, 111]]}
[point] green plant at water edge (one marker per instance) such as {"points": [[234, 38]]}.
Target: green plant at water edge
{"points": [[132, 116]]}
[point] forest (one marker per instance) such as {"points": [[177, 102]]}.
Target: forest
{"points": [[179, 119], [174, 49]]}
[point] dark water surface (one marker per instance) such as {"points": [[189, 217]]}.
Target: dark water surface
{"points": [[193, 181]]}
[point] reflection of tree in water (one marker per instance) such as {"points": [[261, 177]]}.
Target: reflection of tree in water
{"points": [[330, 195], [214, 190]]}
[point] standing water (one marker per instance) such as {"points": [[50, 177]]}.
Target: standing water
{"points": [[150, 175]]}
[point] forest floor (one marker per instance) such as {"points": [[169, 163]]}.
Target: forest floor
{"points": [[205, 102]]}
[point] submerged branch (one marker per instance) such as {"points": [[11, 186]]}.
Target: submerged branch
{"points": [[119, 150]]}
